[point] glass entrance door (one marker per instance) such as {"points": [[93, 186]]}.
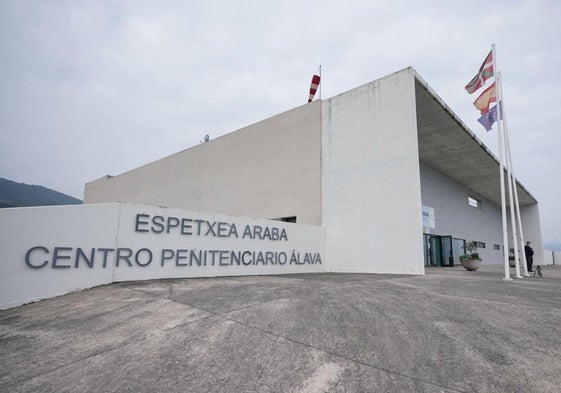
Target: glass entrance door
{"points": [[435, 251], [447, 256], [458, 247], [427, 249], [440, 250]]}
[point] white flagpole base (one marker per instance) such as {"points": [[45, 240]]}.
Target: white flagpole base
{"points": [[507, 279], [518, 276]]}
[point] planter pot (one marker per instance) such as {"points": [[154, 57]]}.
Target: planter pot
{"points": [[470, 264], [512, 263]]}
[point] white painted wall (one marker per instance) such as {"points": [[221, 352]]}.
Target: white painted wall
{"points": [[63, 226], [302, 238], [270, 169], [552, 257], [531, 226], [371, 184], [113, 226], [454, 217]]}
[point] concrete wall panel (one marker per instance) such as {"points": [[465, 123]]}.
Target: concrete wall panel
{"points": [[371, 184], [270, 169], [530, 215], [552, 257], [79, 226], [455, 217], [124, 242], [300, 238]]}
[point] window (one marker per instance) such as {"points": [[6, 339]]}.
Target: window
{"points": [[285, 219], [497, 247], [473, 202], [479, 244]]}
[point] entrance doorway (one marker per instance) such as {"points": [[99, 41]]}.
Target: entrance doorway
{"points": [[442, 250], [458, 248]]}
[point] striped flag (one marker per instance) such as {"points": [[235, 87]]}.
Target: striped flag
{"points": [[485, 72], [488, 96], [314, 85]]}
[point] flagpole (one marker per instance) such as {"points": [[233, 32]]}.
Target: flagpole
{"points": [[515, 192], [517, 205], [510, 186], [320, 82], [501, 169]]}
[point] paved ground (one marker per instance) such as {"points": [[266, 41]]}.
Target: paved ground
{"points": [[449, 331]]}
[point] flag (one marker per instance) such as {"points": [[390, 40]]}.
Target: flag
{"points": [[314, 86], [485, 72], [489, 118], [488, 96]]}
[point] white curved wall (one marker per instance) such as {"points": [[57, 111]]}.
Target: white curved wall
{"points": [[50, 251]]}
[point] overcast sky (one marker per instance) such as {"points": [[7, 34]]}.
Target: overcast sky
{"points": [[89, 88]]}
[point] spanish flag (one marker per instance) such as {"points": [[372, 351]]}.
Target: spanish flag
{"points": [[488, 96]]}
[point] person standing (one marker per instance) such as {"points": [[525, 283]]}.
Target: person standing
{"points": [[529, 255]]}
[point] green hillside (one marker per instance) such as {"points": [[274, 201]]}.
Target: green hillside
{"points": [[13, 194]]}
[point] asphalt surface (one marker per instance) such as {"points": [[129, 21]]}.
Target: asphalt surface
{"points": [[448, 331]]}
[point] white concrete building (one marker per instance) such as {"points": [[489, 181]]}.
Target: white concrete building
{"points": [[365, 165], [381, 179]]}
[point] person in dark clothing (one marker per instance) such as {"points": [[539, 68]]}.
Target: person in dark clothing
{"points": [[529, 255]]}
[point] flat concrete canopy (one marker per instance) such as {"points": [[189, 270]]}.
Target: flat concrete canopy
{"points": [[446, 144], [448, 331]]}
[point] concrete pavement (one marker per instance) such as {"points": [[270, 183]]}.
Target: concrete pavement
{"points": [[448, 331]]}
